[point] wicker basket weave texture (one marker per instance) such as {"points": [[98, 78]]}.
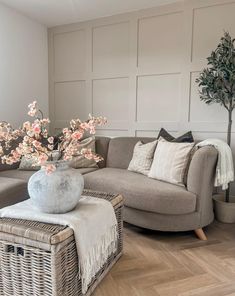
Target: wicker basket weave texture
{"points": [[38, 259]]}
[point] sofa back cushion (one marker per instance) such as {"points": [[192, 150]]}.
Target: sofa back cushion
{"points": [[171, 161], [142, 157], [101, 146], [80, 161], [4, 167], [121, 149]]}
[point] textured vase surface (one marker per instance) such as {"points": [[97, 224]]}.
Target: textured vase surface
{"points": [[58, 192]]}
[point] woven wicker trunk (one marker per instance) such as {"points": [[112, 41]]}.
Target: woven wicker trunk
{"points": [[38, 259]]}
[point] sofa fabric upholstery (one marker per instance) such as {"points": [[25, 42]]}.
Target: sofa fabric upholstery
{"points": [[4, 167], [143, 193], [12, 191], [156, 221], [148, 202], [17, 174], [200, 181], [25, 175], [121, 149], [102, 145]]}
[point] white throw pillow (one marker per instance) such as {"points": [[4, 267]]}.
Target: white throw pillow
{"points": [[170, 161], [142, 157]]}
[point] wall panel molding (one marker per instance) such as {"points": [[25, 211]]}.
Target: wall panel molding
{"points": [[139, 69]]}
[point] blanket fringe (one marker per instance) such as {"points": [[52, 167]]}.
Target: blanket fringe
{"points": [[97, 257]]}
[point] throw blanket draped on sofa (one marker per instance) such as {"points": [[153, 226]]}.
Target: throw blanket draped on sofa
{"points": [[224, 168], [95, 229]]}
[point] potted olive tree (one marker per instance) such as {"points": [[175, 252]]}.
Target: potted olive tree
{"points": [[217, 85]]}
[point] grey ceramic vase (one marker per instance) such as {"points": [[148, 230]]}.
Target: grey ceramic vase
{"points": [[58, 192]]}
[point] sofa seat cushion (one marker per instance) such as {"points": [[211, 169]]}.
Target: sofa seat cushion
{"points": [[17, 174], [85, 171], [25, 175], [141, 192], [12, 191]]}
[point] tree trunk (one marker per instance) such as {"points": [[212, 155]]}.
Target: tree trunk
{"points": [[229, 127], [227, 192], [229, 143]]}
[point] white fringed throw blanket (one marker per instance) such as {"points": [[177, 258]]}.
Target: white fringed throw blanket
{"points": [[95, 229], [224, 169]]}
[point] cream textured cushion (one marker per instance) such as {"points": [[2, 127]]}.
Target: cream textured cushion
{"points": [[27, 163], [80, 161], [170, 161], [142, 157]]}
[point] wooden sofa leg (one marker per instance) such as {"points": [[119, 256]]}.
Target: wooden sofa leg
{"points": [[200, 234]]}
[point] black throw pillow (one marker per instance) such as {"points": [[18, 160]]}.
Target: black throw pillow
{"points": [[185, 138]]}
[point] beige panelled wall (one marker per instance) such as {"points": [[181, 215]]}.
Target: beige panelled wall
{"points": [[139, 69]]}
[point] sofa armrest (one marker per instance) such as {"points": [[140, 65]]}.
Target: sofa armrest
{"points": [[200, 179]]}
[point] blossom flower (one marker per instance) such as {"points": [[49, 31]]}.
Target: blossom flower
{"points": [[84, 125], [77, 135], [87, 153], [6, 160], [34, 141], [32, 109], [49, 168], [97, 158], [92, 131], [50, 140], [45, 134], [37, 144], [66, 132], [26, 125], [30, 133], [45, 121], [42, 158], [26, 138], [36, 128]]}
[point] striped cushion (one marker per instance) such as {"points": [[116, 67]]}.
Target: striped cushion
{"points": [[170, 161]]}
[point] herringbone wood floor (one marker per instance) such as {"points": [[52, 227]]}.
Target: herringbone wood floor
{"points": [[172, 264]]}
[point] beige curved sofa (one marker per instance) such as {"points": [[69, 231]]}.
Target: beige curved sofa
{"points": [[148, 203]]}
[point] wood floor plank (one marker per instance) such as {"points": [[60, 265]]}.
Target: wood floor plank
{"points": [[179, 287], [212, 290], [174, 264]]}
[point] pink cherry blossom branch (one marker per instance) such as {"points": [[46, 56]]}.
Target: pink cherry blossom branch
{"points": [[34, 140]]}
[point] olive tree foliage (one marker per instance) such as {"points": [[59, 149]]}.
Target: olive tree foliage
{"points": [[217, 81]]}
